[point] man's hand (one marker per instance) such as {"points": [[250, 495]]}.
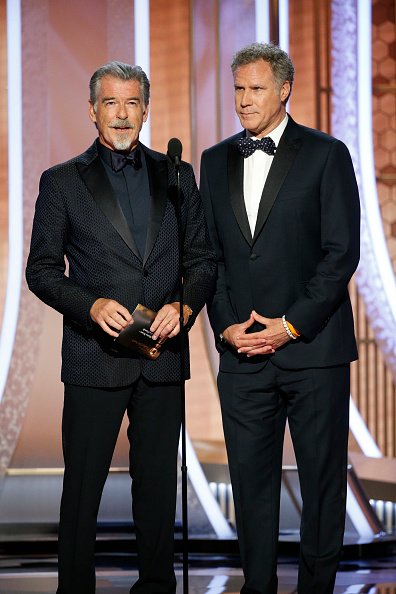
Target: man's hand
{"points": [[273, 334], [166, 323], [236, 336], [110, 315]]}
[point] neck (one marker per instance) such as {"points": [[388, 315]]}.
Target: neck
{"points": [[274, 124]]}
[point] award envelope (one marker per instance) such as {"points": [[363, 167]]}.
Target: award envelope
{"points": [[137, 337]]}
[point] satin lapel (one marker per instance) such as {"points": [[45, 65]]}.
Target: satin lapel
{"points": [[285, 155], [158, 180], [95, 179], [235, 188]]}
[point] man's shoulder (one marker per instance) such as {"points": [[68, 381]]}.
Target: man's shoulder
{"points": [[317, 135], [69, 166], [186, 168], [223, 145], [313, 134], [316, 142], [322, 143], [156, 155]]}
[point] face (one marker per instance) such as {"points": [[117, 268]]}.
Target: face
{"points": [[259, 103], [119, 113]]}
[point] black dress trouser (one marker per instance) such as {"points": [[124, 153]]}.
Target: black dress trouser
{"points": [[91, 422], [255, 407]]}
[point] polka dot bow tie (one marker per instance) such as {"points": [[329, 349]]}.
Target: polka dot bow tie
{"points": [[247, 146]]}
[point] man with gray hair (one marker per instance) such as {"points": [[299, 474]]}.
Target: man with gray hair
{"points": [[108, 212], [283, 212]]}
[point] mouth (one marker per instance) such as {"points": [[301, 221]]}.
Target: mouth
{"points": [[121, 128]]}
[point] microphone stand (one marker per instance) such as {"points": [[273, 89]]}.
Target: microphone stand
{"points": [[182, 382]]}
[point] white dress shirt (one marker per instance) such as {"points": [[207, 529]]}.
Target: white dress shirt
{"points": [[255, 172]]}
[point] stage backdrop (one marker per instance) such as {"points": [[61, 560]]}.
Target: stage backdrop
{"points": [[48, 51]]}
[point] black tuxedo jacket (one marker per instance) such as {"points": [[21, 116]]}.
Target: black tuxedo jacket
{"points": [[304, 250], [78, 217]]}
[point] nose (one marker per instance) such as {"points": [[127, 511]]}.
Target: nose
{"points": [[122, 112], [246, 98]]}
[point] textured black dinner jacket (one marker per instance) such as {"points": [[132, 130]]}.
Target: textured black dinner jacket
{"points": [[303, 253], [78, 217]]}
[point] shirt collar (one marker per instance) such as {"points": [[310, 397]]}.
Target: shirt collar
{"points": [[276, 133], [105, 153]]}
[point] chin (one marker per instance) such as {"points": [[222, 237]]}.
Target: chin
{"points": [[122, 144], [248, 124]]}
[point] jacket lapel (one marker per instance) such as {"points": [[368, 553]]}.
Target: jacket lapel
{"points": [[158, 179], [235, 188], [95, 178], [286, 152]]}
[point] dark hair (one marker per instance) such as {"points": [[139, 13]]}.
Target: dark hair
{"points": [[280, 62], [122, 71]]}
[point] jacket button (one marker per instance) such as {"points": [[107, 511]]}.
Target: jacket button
{"points": [[145, 273], [253, 256]]}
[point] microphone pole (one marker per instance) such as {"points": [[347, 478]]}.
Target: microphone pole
{"points": [[174, 152]]}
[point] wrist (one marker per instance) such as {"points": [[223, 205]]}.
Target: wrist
{"points": [[292, 333], [224, 335], [187, 310], [187, 313]]}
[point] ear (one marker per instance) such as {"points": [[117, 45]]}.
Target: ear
{"points": [[146, 113], [285, 91], [91, 112]]}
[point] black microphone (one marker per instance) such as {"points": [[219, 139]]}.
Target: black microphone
{"points": [[175, 151], [174, 192]]}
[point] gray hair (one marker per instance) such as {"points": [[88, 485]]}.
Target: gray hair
{"points": [[280, 62], [122, 71]]}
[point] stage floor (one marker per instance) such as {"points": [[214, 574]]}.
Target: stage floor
{"points": [[373, 576]]}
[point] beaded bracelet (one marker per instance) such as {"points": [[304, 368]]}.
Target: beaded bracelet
{"points": [[287, 329]]}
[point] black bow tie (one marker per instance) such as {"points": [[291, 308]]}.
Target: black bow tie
{"points": [[247, 146], [119, 160]]}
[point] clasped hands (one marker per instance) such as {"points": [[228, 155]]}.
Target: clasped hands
{"points": [[263, 342], [112, 317]]}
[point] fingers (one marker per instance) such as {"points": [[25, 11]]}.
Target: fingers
{"points": [[233, 333], [264, 350], [248, 323], [248, 342], [255, 341], [263, 342], [258, 318], [262, 345], [110, 315], [166, 323], [254, 337]]}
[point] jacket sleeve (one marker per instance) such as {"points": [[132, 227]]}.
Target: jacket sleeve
{"points": [[220, 311], [340, 245], [199, 262], [46, 266]]}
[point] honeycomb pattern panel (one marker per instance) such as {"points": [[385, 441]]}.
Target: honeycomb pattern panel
{"points": [[384, 114]]}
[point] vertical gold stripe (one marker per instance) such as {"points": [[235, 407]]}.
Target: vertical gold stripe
{"points": [[170, 74], [274, 21], [317, 29]]}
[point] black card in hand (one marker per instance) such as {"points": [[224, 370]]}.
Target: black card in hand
{"points": [[137, 337]]}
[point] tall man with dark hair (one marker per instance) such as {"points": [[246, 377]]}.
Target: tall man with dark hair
{"points": [[108, 213], [283, 212]]}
